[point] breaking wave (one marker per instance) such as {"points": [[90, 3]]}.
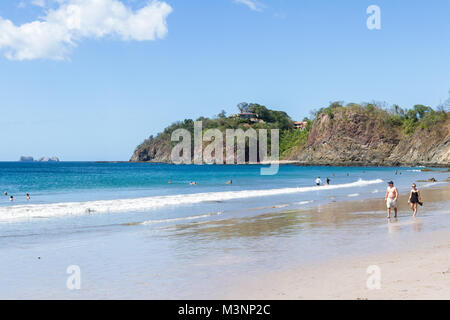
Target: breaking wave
{"points": [[20, 212]]}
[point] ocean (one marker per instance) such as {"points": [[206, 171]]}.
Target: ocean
{"points": [[142, 230]]}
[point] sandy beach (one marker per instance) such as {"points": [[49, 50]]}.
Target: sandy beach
{"points": [[421, 273], [261, 238], [417, 269]]}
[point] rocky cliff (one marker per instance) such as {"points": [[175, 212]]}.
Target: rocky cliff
{"points": [[153, 150], [352, 136]]}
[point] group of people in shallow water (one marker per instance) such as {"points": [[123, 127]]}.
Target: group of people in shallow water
{"points": [[11, 198], [318, 182], [414, 199]]}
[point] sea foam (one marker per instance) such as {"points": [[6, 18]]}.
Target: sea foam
{"points": [[21, 212]]}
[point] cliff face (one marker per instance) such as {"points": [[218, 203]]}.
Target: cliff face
{"points": [[425, 147], [349, 137], [157, 150]]}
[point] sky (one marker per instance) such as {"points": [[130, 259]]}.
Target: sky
{"points": [[91, 79]]}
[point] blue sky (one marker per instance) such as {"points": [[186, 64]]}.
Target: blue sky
{"points": [[99, 95]]}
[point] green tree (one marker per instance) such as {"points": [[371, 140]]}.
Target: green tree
{"points": [[222, 114]]}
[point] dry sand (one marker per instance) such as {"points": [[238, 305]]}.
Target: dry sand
{"points": [[422, 273]]}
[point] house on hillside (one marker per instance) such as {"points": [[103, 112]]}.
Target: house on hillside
{"points": [[300, 125], [250, 116], [253, 117]]}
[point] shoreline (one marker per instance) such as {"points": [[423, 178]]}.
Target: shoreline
{"points": [[307, 164], [26, 211], [281, 162]]}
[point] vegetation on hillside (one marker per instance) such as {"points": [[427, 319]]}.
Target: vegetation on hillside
{"points": [[395, 117], [405, 121], [271, 119]]}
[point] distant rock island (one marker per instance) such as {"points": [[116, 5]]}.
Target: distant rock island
{"points": [[43, 159], [46, 159], [26, 159]]}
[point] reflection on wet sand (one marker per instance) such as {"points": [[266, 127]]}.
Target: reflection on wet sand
{"points": [[340, 216], [417, 224], [393, 225]]}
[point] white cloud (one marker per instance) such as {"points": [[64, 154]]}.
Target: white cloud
{"points": [[39, 3], [52, 36], [252, 4]]}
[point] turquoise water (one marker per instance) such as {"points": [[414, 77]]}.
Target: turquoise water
{"points": [[133, 233], [82, 181], [129, 193]]}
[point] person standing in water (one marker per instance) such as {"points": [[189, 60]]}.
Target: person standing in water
{"points": [[318, 181], [328, 181], [391, 199], [11, 198], [414, 199], [28, 196]]}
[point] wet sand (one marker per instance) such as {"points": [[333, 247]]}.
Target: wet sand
{"points": [[417, 269], [318, 252]]}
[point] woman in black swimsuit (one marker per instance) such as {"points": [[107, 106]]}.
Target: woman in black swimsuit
{"points": [[414, 198]]}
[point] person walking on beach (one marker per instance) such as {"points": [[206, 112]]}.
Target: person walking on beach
{"points": [[391, 199], [414, 199], [318, 181]]}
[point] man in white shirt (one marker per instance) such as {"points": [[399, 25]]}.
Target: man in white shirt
{"points": [[318, 181]]}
